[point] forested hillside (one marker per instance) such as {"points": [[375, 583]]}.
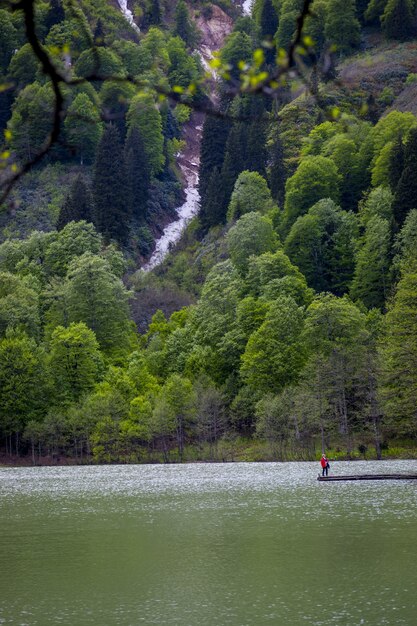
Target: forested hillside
{"points": [[285, 320]]}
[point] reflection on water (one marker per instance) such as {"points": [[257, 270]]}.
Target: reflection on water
{"points": [[239, 544]]}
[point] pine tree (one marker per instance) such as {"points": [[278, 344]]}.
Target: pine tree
{"points": [[78, 205], [371, 282], [342, 28], [255, 150], [213, 145], [268, 27], [138, 177], [55, 15], [155, 13], [396, 165], [212, 209], [99, 33], [397, 20], [234, 160], [399, 354], [277, 174], [109, 187], [183, 26], [406, 193]]}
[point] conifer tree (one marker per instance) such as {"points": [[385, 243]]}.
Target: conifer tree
{"points": [[109, 187], [396, 164], [406, 193], [372, 281], [399, 354], [213, 207], [277, 174], [78, 205], [55, 15], [155, 13], [213, 145], [138, 177], [397, 20], [342, 28], [255, 149], [268, 27], [99, 33], [183, 25], [234, 161]]}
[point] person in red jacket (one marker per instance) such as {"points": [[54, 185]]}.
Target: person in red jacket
{"points": [[324, 465]]}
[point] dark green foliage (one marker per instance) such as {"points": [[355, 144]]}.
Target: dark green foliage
{"points": [[268, 25], [213, 207], [111, 215], [277, 171], [154, 14], [55, 15], [406, 192], [78, 205], [138, 177], [184, 28], [213, 144], [396, 165], [397, 20]]}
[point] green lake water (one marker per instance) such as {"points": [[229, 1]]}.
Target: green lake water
{"points": [[205, 545]]}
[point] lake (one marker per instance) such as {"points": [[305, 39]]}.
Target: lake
{"points": [[221, 544]]}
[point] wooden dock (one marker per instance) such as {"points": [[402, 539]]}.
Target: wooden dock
{"points": [[368, 477]]}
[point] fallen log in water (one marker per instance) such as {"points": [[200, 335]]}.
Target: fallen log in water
{"points": [[368, 477]]}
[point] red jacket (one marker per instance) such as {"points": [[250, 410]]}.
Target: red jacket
{"points": [[323, 461]]}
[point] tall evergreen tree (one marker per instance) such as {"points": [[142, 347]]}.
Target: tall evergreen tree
{"points": [[277, 173], [138, 178], [406, 193], [55, 15], [234, 161], [255, 149], [397, 20], [183, 25], [342, 28], [372, 272], [78, 205], [213, 145], [399, 354], [268, 27], [155, 13], [212, 208], [396, 164], [109, 187]]}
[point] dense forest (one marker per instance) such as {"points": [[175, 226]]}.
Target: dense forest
{"points": [[284, 322]]}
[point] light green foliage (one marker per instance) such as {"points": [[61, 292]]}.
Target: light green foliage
{"points": [[22, 382], [237, 48], [19, 304], [83, 127], [342, 28], [398, 349], [75, 239], [316, 178], [144, 116], [321, 244], [24, 66], [250, 193], [267, 270], [100, 62], [377, 204], [275, 353], [31, 121], [183, 69], [8, 39], [250, 236], [98, 298], [154, 45], [75, 361], [371, 282], [391, 128]]}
